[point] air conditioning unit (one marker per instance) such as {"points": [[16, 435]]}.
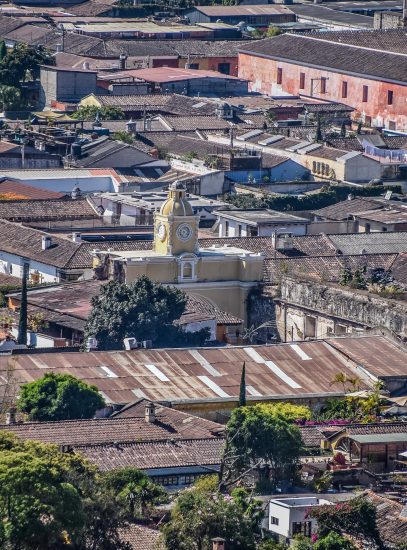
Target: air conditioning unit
{"points": [[130, 343]]}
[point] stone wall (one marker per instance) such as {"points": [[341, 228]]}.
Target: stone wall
{"points": [[298, 309], [351, 305]]}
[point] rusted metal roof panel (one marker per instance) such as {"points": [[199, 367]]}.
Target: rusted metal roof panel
{"points": [[380, 356], [297, 369]]}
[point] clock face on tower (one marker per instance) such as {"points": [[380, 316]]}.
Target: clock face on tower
{"points": [[161, 231], [184, 232]]}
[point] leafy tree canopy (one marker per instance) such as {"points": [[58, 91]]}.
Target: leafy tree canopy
{"points": [[90, 112], [134, 492], [355, 518], [256, 435], [124, 136], [51, 500], [23, 62], [202, 513], [59, 397], [326, 197], [143, 310]]}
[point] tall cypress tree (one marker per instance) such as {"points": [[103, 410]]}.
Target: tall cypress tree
{"points": [[22, 323], [3, 50], [242, 391]]}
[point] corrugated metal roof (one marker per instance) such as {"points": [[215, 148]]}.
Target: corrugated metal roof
{"points": [[377, 354], [306, 368], [380, 438]]}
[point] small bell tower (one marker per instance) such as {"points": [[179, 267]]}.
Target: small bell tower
{"points": [[176, 225]]}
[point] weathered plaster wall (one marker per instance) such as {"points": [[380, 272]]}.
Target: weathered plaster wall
{"points": [[263, 76], [299, 309], [348, 304]]}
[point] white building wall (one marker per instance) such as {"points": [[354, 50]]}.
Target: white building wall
{"points": [[12, 264], [287, 514], [263, 230]]}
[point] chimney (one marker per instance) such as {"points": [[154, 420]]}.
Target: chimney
{"points": [[86, 66], [11, 415], [154, 153], [122, 61], [149, 415], [59, 48], [46, 242], [76, 238], [351, 196], [218, 543], [404, 23]]}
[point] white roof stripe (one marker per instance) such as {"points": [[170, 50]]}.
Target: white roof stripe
{"points": [[281, 374], [109, 373], [204, 363], [253, 391], [159, 374], [139, 393], [214, 387], [300, 352], [252, 353]]}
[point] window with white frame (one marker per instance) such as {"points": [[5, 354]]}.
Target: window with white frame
{"points": [[187, 268]]}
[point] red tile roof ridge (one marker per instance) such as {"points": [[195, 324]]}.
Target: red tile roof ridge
{"points": [[168, 441]]}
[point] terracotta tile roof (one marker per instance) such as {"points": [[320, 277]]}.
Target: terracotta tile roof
{"points": [[128, 426], [200, 305], [318, 51], [399, 269], [44, 210], [27, 242], [8, 24], [9, 280], [141, 538], [181, 48], [165, 103], [312, 435], [155, 455], [343, 210], [391, 520], [324, 268], [15, 188], [370, 243], [387, 40]]}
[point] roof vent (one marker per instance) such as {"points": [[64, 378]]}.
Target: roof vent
{"points": [[91, 344], [46, 242], [149, 413], [11, 415]]}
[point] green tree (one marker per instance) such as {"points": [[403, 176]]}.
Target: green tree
{"points": [[22, 63], [202, 513], [59, 397], [3, 50], [254, 436], [90, 112], [333, 541], [143, 310], [272, 31], [355, 518], [123, 136], [242, 389], [10, 97], [23, 317], [51, 500], [133, 491]]}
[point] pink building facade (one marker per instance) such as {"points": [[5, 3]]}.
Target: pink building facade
{"points": [[376, 102]]}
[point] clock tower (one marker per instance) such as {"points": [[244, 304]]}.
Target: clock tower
{"points": [[176, 225]]}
